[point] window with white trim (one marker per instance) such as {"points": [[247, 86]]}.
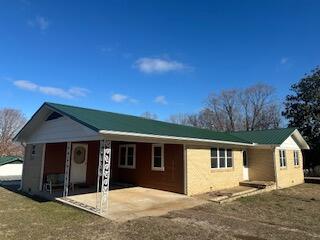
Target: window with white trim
{"points": [[221, 158], [127, 156], [282, 155], [157, 163], [296, 158]]}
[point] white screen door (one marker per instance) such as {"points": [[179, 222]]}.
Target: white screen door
{"points": [[245, 165], [78, 172]]}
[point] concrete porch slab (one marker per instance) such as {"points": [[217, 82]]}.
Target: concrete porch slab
{"points": [[135, 202]]}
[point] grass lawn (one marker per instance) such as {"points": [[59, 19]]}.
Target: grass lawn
{"points": [[292, 213]]}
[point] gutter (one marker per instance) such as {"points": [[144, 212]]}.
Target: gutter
{"points": [[119, 133]]}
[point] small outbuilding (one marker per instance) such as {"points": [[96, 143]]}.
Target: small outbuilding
{"points": [[10, 168]]}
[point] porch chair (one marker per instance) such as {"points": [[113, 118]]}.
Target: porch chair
{"points": [[55, 181]]}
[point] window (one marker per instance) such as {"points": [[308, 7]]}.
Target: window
{"points": [[282, 154], [221, 158], [296, 158], [157, 157], [127, 156]]}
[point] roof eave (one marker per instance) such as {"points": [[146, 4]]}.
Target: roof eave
{"points": [[299, 137], [165, 137]]}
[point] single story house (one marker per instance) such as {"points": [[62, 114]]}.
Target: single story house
{"points": [[10, 168], [92, 148]]}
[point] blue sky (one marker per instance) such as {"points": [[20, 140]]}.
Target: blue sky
{"points": [[159, 56]]}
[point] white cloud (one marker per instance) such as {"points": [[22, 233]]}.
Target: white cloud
{"points": [[161, 100], [158, 65], [117, 97], [284, 60], [120, 98], [52, 91], [27, 85], [39, 22], [78, 92]]}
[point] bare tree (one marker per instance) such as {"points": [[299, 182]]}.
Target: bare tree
{"points": [[11, 121], [259, 108], [149, 115], [248, 109], [180, 118], [225, 108]]}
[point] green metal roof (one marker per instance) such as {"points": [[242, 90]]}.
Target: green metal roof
{"points": [[9, 159], [272, 136], [101, 120]]}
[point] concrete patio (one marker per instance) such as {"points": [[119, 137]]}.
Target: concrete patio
{"points": [[134, 202]]}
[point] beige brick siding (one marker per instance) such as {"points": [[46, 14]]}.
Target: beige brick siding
{"points": [[32, 169], [261, 166], [201, 178], [290, 175]]}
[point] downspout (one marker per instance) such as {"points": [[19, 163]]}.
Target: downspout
{"points": [[275, 166]]}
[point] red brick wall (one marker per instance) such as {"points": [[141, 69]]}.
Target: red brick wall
{"points": [[171, 179], [55, 158]]}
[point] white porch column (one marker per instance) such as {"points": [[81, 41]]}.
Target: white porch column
{"points": [[67, 170], [104, 170]]}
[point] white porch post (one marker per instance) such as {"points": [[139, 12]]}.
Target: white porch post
{"points": [[104, 165], [67, 170], [42, 166]]}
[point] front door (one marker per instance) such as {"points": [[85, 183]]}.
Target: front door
{"points": [[78, 172], [245, 165]]}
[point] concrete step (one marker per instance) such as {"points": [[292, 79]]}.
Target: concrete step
{"points": [[251, 193], [224, 195], [257, 184]]}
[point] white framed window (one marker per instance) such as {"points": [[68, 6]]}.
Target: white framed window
{"points": [[282, 155], [127, 156], [221, 158], [296, 158], [157, 163]]}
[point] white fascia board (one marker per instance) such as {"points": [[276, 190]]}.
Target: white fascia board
{"points": [[119, 133], [299, 137], [264, 146]]}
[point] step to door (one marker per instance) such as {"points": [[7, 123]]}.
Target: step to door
{"points": [[258, 184], [232, 198]]}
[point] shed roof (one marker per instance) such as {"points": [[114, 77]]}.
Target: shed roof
{"points": [[9, 159]]}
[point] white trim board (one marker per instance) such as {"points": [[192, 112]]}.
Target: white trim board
{"points": [[155, 136]]}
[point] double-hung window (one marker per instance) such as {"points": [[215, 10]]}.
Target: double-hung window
{"points": [[221, 158], [127, 156], [296, 158], [282, 155], [157, 163]]}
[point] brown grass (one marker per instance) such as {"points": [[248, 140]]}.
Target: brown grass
{"points": [[292, 213]]}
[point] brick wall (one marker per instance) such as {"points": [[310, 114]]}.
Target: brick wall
{"points": [[290, 175], [201, 178]]}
